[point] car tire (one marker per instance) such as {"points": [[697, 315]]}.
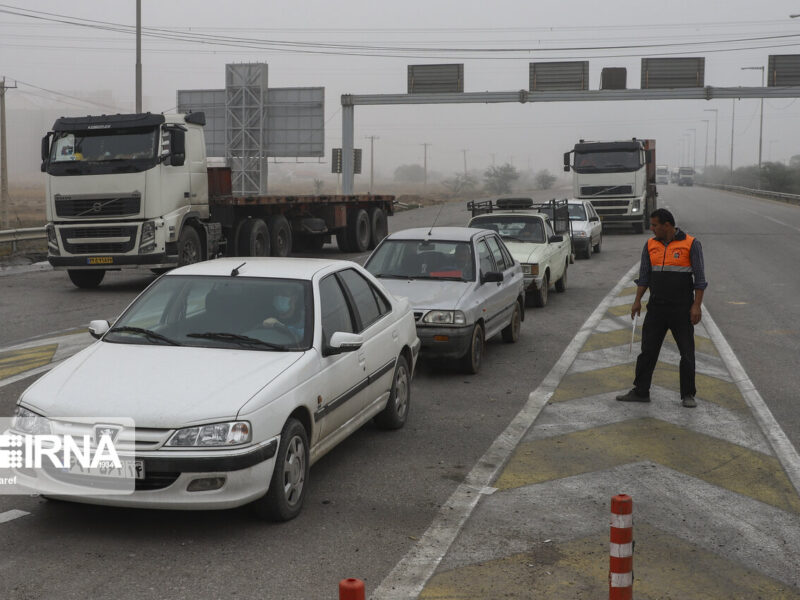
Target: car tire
{"points": [[597, 246], [189, 249], [561, 284], [280, 236], [289, 482], [396, 411], [471, 361], [511, 331], [253, 238], [86, 279], [587, 253], [539, 297]]}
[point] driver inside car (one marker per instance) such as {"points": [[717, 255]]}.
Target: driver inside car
{"points": [[289, 312]]}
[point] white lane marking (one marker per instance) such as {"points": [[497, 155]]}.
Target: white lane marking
{"points": [[781, 445], [10, 515], [778, 221], [410, 575]]}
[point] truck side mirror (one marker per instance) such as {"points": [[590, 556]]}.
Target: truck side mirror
{"points": [[177, 144], [45, 151], [566, 161]]}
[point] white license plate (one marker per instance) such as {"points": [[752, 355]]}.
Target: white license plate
{"points": [[129, 469]]}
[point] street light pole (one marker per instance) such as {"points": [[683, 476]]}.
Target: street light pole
{"points": [[716, 129], [371, 139], [694, 152], [733, 120], [761, 125], [705, 159], [138, 56]]}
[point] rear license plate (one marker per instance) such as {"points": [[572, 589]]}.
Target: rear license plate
{"points": [[100, 260], [129, 469]]}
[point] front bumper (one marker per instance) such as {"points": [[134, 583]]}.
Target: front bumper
{"points": [[113, 262], [533, 283], [456, 344]]}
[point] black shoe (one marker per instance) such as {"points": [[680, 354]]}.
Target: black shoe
{"points": [[633, 396]]}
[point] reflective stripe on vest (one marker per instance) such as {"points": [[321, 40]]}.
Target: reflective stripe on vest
{"points": [[674, 257]]}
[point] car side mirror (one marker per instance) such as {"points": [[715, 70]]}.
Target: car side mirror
{"points": [[594, 219], [492, 277], [555, 238], [98, 328], [341, 342]]}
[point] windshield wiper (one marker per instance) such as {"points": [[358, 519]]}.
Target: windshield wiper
{"points": [[147, 332], [236, 338]]}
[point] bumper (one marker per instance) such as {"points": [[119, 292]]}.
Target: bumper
{"points": [[246, 474], [533, 284], [452, 342], [114, 262]]}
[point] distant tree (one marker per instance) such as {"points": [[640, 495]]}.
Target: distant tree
{"points": [[544, 180], [409, 174], [460, 183], [498, 180]]}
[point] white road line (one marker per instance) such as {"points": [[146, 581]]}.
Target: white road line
{"points": [[410, 575], [781, 445], [10, 515]]}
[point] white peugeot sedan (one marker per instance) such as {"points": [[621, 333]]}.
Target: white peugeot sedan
{"points": [[239, 374]]}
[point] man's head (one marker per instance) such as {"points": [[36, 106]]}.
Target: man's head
{"points": [[286, 302], [662, 224]]}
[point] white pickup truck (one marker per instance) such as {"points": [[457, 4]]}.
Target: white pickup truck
{"points": [[530, 237]]}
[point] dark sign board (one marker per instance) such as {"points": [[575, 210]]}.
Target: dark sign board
{"points": [[662, 73], [435, 79], [336, 160], [783, 70], [559, 76]]}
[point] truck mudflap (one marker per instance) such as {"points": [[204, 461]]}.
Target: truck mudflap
{"points": [[112, 262]]}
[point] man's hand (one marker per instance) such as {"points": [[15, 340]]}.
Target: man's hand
{"points": [[636, 308], [695, 314]]}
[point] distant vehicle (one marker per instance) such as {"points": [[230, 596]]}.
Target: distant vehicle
{"points": [[673, 176], [587, 229], [529, 233], [618, 178], [239, 375], [685, 176], [463, 284], [662, 174]]}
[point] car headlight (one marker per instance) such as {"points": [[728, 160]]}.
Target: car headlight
{"points": [[530, 268], [215, 435], [148, 241], [27, 421], [445, 317]]}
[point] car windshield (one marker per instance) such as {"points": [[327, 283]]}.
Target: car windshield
{"points": [[220, 312], [577, 212], [423, 259], [513, 228]]}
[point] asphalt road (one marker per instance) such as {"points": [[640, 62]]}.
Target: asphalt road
{"points": [[374, 495]]}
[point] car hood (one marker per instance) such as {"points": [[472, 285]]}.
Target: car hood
{"points": [[526, 252], [157, 386], [429, 293]]}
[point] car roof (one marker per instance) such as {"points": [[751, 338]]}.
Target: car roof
{"points": [[252, 266], [442, 234]]}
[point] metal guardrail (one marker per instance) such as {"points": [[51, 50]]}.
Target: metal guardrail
{"points": [[12, 236], [790, 198]]}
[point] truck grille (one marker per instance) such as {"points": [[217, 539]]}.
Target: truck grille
{"points": [[92, 207], [606, 190], [612, 211], [600, 204], [98, 240]]}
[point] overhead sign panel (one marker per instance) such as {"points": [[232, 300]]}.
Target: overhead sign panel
{"points": [[296, 122], [613, 78], [435, 79], [212, 103], [559, 76], [783, 70], [660, 73], [336, 160]]}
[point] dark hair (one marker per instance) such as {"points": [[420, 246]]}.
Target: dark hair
{"points": [[663, 216]]}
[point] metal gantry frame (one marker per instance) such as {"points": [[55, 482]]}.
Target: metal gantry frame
{"points": [[246, 101], [350, 101]]}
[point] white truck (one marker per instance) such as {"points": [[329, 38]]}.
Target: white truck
{"points": [[686, 176], [662, 174], [618, 178], [134, 191]]}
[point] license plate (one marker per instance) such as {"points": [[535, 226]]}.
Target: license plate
{"points": [[129, 469], [100, 260]]}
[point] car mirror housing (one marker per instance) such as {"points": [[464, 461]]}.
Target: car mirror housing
{"points": [[492, 276], [98, 328], [556, 238], [343, 342]]}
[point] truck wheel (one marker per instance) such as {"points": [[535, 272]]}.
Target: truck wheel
{"points": [[189, 248], [358, 229], [378, 227], [561, 284], [343, 241], [253, 238], [86, 279], [280, 235]]}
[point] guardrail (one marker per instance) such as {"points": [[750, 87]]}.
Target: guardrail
{"points": [[790, 198], [12, 236]]}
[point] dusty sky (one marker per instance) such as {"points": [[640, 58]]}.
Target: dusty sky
{"points": [[70, 61]]}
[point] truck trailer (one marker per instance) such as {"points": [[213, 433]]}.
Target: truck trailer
{"points": [[134, 191], [618, 178]]}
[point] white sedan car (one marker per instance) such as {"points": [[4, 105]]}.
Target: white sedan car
{"points": [[239, 374], [587, 229]]}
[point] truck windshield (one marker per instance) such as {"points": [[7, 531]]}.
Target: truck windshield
{"points": [[104, 145], [686, 171], [608, 161]]}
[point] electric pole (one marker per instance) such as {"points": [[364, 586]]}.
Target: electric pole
{"points": [[733, 120], [138, 56], [465, 162], [425, 163], [4, 200], [705, 161], [716, 129], [761, 125], [371, 139]]}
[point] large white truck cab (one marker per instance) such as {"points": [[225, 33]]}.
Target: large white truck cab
{"points": [[618, 178]]}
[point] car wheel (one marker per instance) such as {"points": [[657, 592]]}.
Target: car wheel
{"points": [[471, 361], [598, 244], [396, 411], [189, 250], [561, 284], [287, 487], [539, 297], [511, 331], [86, 279], [587, 253]]}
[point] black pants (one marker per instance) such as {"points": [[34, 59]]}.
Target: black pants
{"points": [[659, 319]]}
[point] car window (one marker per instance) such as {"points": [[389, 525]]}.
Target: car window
{"points": [[485, 258], [548, 229], [512, 228], [577, 212], [364, 295], [423, 259], [335, 310], [506, 255], [496, 253]]}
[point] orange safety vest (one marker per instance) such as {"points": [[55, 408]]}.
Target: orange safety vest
{"points": [[671, 275]]}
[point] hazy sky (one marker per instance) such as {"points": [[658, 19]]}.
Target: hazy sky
{"points": [[72, 60]]}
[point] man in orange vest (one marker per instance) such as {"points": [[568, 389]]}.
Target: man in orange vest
{"points": [[672, 268]]}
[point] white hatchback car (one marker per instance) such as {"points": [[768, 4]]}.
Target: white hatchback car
{"points": [[239, 374], [587, 228]]}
